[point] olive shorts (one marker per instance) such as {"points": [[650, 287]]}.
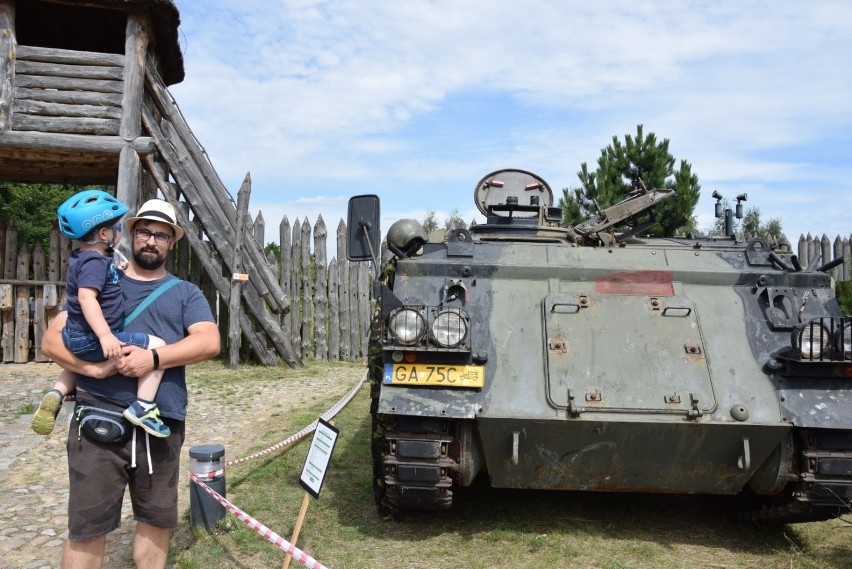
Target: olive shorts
{"points": [[99, 473]]}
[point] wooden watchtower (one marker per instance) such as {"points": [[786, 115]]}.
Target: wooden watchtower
{"points": [[72, 88], [84, 100]]}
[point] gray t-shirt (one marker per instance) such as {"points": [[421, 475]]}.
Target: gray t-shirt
{"points": [[168, 317]]}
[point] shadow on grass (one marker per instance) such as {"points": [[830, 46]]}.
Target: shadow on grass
{"points": [[662, 519]]}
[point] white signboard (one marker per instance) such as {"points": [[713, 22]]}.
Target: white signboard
{"points": [[319, 455]]}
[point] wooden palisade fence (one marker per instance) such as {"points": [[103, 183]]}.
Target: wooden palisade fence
{"points": [[328, 319], [819, 251]]}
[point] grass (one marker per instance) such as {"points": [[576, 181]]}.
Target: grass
{"points": [[488, 528]]}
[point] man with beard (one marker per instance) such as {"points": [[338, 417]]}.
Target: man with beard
{"points": [[98, 472]]}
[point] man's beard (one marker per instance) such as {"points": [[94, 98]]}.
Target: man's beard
{"points": [[152, 259]]}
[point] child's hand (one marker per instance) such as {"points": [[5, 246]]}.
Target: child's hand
{"points": [[111, 346]]}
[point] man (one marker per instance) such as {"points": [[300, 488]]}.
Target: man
{"points": [[99, 473]]}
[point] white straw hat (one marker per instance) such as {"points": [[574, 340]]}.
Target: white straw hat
{"points": [[157, 210]]}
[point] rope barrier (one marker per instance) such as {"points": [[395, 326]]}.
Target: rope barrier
{"points": [[261, 529], [254, 524], [332, 411]]}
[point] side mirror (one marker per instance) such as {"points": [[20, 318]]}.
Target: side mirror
{"points": [[363, 236]]}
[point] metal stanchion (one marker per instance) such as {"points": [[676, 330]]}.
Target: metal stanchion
{"points": [[207, 461]]}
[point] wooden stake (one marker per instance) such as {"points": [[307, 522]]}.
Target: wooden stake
{"points": [[298, 527]]}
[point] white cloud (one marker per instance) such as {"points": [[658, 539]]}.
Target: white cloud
{"points": [[327, 99]]}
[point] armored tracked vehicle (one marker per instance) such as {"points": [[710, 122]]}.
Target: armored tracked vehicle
{"points": [[589, 358]]}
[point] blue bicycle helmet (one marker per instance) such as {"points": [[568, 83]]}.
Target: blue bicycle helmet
{"points": [[86, 211]]}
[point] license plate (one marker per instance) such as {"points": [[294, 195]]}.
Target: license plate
{"points": [[434, 375]]}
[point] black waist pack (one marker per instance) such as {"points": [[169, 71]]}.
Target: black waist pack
{"points": [[102, 422]]}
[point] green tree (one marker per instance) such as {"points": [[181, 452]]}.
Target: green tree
{"points": [[750, 226], [430, 224], [455, 221], [753, 227], [844, 296], [33, 208], [623, 167], [273, 247]]}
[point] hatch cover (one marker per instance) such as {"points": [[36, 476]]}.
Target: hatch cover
{"points": [[625, 353]]}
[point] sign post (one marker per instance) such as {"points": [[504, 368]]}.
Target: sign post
{"points": [[313, 472]]}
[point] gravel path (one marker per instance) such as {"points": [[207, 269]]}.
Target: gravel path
{"points": [[33, 469]]}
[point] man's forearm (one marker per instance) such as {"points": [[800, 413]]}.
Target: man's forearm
{"points": [[53, 347], [201, 344]]}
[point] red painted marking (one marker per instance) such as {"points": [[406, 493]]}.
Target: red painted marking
{"points": [[636, 282]]}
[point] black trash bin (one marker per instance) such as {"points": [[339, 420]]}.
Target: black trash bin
{"points": [[207, 461]]}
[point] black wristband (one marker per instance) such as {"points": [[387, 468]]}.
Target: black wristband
{"points": [[156, 358]]}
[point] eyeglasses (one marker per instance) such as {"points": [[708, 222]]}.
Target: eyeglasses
{"points": [[160, 238]]}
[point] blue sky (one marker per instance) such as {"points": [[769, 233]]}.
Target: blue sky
{"points": [[417, 100]]}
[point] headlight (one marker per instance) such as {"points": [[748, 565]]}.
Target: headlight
{"points": [[449, 329], [407, 326], [843, 340], [813, 340]]}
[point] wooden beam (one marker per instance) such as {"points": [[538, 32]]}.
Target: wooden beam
{"points": [[129, 175], [135, 47], [73, 142], [7, 62], [31, 107], [70, 97], [52, 55], [38, 68]]}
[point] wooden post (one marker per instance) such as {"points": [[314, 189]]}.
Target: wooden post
{"points": [[22, 310], [7, 340], [129, 166], [39, 325], [320, 292], [135, 48], [7, 63], [354, 325], [284, 238], [236, 285], [298, 527], [307, 293], [343, 292], [296, 286], [333, 313], [51, 293], [181, 250]]}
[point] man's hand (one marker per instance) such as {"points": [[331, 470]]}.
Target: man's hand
{"points": [[134, 361]]}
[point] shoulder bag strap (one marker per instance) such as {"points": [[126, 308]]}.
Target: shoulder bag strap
{"points": [[151, 298]]}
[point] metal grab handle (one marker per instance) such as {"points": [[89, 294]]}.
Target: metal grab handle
{"points": [[744, 462]]}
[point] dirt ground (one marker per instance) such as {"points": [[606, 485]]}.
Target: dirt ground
{"points": [[33, 469]]}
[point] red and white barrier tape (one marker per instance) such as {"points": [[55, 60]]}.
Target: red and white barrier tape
{"points": [[334, 410], [258, 527], [208, 476], [261, 529]]}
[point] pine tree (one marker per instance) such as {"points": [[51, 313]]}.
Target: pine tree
{"points": [[623, 167]]}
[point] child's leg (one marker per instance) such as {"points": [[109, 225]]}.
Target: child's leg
{"points": [[65, 383], [150, 382], [144, 412], [45, 417]]}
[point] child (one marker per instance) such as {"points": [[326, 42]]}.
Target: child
{"points": [[96, 308]]}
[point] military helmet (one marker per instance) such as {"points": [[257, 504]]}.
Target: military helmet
{"points": [[407, 235]]}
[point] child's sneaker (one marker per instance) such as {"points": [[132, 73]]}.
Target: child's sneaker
{"points": [[148, 419], [45, 418]]}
